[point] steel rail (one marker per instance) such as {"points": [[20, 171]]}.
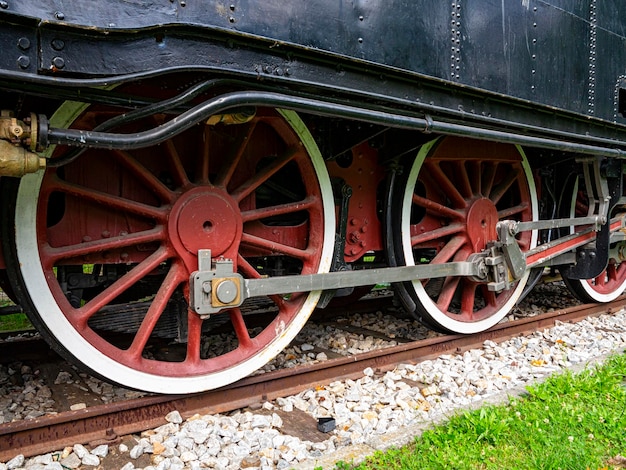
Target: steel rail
{"points": [[105, 423]]}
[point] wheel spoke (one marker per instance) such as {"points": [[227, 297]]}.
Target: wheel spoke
{"points": [[194, 338], [510, 212], [175, 276], [141, 173], [203, 161], [232, 161], [241, 330], [281, 209], [114, 203], [502, 187], [176, 166], [275, 247], [248, 271], [436, 209], [263, 175], [475, 176], [600, 280], [490, 296], [468, 298], [488, 176], [436, 234], [449, 250], [445, 185], [120, 286], [447, 293], [463, 180], [55, 254]]}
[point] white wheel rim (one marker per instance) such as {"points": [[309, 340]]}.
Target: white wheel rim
{"points": [[35, 282], [431, 308]]}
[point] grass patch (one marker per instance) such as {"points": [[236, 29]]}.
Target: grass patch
{"points": [[14, 322], [568, 422]]}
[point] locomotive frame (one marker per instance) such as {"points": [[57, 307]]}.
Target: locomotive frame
{"points": [[181, 158]]}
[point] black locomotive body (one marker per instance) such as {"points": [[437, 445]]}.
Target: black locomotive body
{"points": [[166, 165]]}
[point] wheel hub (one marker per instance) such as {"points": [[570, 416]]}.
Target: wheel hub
{"points": [[482, 218], [206, 218]]}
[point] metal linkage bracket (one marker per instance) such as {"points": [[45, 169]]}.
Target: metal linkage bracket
{"points": [[215, 285], [603, 190], [339, 263]]}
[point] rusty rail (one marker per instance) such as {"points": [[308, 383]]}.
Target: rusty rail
{"points": [[104, 423]]}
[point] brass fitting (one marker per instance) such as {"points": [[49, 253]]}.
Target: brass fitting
{"points": [[15, 131], [17, 161], [241, 117]]}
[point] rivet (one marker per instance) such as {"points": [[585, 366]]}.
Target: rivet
{"points": [[360, 39], [232, 7], [58, 62], [23, 62], [57, 44], [23, 43], [59, 15], [4, 5]]}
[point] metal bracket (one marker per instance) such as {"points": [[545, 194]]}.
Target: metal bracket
{"points": [[338, 263], [511, 251], [214, 286], [592, 259]]}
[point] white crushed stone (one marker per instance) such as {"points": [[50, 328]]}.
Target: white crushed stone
{"points": [[369, 411]]}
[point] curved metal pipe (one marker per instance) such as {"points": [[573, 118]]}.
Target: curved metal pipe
{"points": [[161, 106], [357, 94], [220, 104]]}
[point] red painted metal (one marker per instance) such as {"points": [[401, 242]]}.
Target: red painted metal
{"points": [[363, 174], [147, 212], [463, 190]]}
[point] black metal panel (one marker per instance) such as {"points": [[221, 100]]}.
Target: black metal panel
{"points": [[563, 54], [531, 50], [609, 60], [19, 48], [495, 47]]}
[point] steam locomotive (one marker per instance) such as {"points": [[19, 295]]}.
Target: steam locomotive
{"points": [[170, 167]]}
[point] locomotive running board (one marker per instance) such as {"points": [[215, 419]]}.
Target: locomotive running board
{"points": [[215, 286]]}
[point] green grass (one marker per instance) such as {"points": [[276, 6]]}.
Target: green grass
{"points": [[568, 422], [14, 322]]}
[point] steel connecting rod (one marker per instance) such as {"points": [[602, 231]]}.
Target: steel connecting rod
{"points": [[216, 285]]}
